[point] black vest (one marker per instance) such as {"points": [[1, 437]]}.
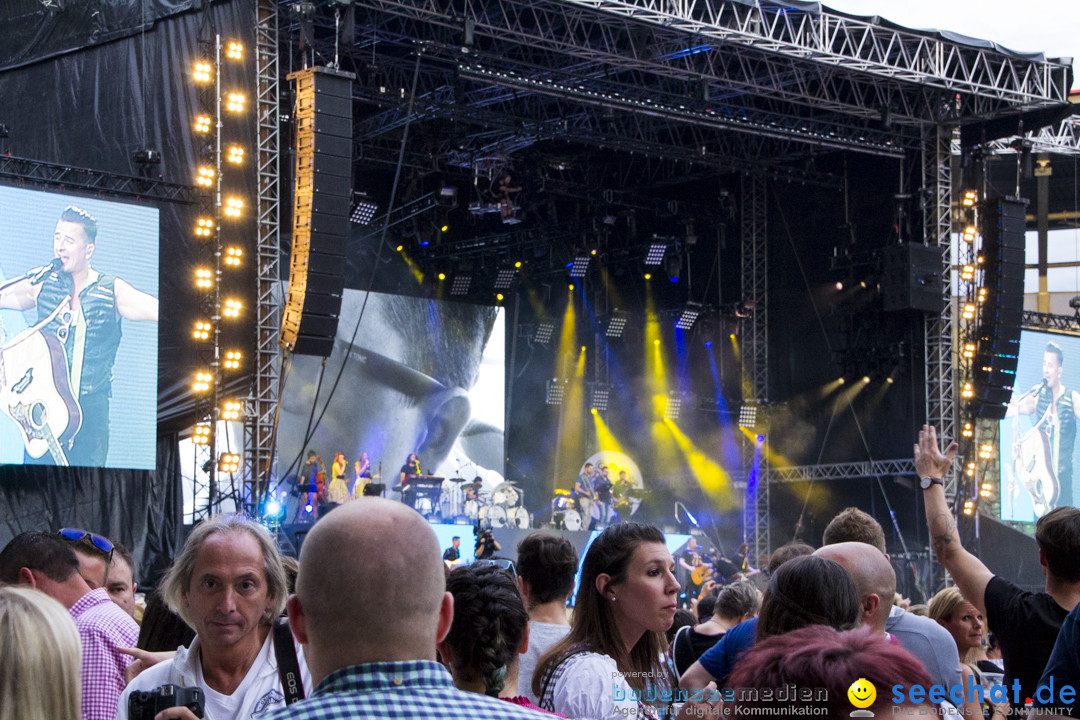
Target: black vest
{"points": [[102, 336], [1067, 428]]}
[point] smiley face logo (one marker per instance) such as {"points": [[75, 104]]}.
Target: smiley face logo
{"points": [[862, 693]]}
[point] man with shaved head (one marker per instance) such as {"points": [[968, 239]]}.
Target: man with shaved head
{"points": [[855, 540], [874, 579], [370, 605]]}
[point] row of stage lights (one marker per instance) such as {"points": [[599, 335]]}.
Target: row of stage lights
{"points": [[207, 229]]}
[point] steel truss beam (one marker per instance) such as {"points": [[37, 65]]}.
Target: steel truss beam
{"points": [[1065, 324], [842, 471], [262, 403], [51, 174], [755, 291], [941, 410], [1063, 139]]}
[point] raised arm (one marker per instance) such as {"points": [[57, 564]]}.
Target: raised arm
{"points": [[968, 571], [134, 304]]}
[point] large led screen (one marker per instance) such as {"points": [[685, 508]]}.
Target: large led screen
{"points": [[78, 330], [420, 375], [1038, 434]]}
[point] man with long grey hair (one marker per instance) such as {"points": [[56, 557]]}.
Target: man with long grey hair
{"points": [[229, 584]]}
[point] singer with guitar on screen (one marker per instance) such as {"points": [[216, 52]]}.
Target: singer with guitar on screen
{"points": [[57, 375], [1043, 455]]}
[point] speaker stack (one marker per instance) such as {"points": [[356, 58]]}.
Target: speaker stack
{"points": [[912, 278], [1000, 314], [323, 191]]}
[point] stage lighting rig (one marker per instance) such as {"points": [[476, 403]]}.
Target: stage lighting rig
{"points": [[617, 324], [556, 390], [656, 253], [689, 316], [544, 331], [580, 266], [748, 416], [600, 397]]}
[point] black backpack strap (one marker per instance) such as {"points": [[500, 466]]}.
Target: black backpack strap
{"points": [[287, 662], [577, 650]]}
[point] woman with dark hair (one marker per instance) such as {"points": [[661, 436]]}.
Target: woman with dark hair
{"points": [[626, 601], [490, 628], [808, 590]]}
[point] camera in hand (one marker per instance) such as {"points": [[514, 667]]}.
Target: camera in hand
{"points": [[144, 705]]}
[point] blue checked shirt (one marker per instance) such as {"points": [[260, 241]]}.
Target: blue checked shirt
{"points": [[417, 689]]}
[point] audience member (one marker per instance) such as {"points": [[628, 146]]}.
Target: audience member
{"points": [[489, 630], [965, 625], [716, 663], [1063, 669], [626, 600], [818, 656], [39, 658], [923, 638], [853, 525], [120, 582], [738, 601], [875, 581], [46, 562], [808, 590], [546, 566], [94, 553], [705, 608], [1026, 623], [229, 584], [370, 630], [162, 630]]}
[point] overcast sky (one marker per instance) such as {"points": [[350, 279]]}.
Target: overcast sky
{"points": [[1049, 26]]}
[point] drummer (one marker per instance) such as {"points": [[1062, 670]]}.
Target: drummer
{"points": [[472, 492]]}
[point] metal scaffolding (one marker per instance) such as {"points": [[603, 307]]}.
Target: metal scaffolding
{"points": [[262, 404], [755, 348]]}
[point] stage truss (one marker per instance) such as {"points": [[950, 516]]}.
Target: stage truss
{"points": [[681, 87]]}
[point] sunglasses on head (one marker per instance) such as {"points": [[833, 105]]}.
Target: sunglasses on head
{"points": [[503, 563], [76, 535]]}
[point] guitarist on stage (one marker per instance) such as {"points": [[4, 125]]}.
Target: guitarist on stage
{"points": [[91, 306], [689, 561], [1053, 408]]}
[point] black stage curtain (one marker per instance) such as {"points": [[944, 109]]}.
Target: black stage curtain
{"points": [[89, 82], [138, 508]]}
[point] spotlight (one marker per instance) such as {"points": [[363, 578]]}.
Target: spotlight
{"points": [[499, 297], [969, 350], [202, 124], [235, 102], [839, 285], [442, 276], [967, 273], [201, 435], [204, 278], [364, 210], [968, 431], [203, 381], [748, 416], [232, 410], [232, 360], [986, 451], [232, 308], [505, 278], [580, 266], [204, 227], [970, 198], [969, 234], [229, 462], [555, 392], [205, 177], [202, 330], [600, 397], [648, 276], [544, 331], [273, 512], [233, 207], [655, 256], [234, 51], [969, 507], [236, 154], [201, 73], [967, 392], [233, 255], [617, 324], [518, 265], [673, 407], [461, 285], [689, 316], [968, 312]]}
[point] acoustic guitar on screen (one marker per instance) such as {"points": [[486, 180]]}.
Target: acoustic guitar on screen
{"points": [[1033, 466], [36, 393]]}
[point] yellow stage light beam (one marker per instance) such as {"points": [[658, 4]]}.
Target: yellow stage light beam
{"points": [[567, 334], [744, 377], [714, 480], [604, 436], [417, 273], [775, 458], [654, 355], [666, 453], [611, 288]]}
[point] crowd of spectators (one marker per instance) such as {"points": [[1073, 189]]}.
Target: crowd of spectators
{"points": [[369, 623]]}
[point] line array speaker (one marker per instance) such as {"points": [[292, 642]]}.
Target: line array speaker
{"points": [[322, 192], [912, 278], [1000, 314]]}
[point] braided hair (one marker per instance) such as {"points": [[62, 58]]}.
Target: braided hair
{"points": [[489, 625]]}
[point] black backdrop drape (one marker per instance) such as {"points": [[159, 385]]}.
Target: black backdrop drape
{"points": [[87, 86]]}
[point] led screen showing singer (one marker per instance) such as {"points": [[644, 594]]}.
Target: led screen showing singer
{"points": [[1038, 434], [78, 330]]}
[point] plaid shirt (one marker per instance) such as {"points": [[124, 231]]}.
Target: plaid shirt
{"points": [[417, 689], [103, 626]]}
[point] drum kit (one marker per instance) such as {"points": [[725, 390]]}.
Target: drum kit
{"points": [[565, 512], [500, 509]]}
